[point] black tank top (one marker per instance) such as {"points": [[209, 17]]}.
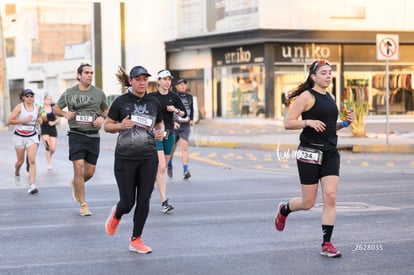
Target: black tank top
{"points": [[324, 109]]}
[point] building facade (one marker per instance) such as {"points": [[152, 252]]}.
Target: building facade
{"points": [[267, 54]]}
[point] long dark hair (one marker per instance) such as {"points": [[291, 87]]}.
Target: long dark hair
{"points": [[122, 77], [309, 83]]}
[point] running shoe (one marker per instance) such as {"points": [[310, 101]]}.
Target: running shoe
{"points": [[17, 181], [74, 194], [330, 251], [186, 175], [170, 171], [84, 210], [137, 245], [112, 222], [280, 220], [32, 189], [166, 207]]}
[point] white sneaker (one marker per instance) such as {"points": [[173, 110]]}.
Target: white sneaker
{"points": [[17, 181], [33, 189]]}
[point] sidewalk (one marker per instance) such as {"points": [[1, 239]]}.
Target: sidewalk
{"points": [[250, 133], [268, 134]]}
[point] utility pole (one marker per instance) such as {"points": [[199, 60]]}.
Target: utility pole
{"points": [[4, 82]]}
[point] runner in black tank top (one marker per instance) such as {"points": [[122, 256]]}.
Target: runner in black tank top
{"points": [[325, 110], [317, 156]]}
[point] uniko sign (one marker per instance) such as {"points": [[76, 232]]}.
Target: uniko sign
{"points": [[300, 53], [238, 55]]}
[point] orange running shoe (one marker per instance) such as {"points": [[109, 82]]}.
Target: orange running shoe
{"points": [[112, 222], [136, 245]]}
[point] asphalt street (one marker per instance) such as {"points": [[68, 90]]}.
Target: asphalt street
{"points": [[223, 221]]}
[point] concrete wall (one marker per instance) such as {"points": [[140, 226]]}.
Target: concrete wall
{"points": [[367, 15]]}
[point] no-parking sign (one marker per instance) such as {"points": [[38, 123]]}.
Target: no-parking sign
{"points": [[387, 46]]}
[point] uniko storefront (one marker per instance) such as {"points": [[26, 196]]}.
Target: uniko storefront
{"points": [[253, 80]]}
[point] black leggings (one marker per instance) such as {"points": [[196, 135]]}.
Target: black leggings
{"points": [[135, 179]]}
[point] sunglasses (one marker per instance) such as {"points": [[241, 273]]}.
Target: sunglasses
{"points": [[318, 63], [28, 96]]}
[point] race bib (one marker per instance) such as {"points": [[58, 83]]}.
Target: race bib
{"points": [[142, 121], [184, 119], [27, 128], [309, 155], [84, 119]]}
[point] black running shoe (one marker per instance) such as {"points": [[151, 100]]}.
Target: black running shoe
{"points": [[170, 171], [187, 175], [166, 207]]}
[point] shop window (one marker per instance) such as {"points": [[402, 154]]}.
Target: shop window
{"points": [[10, 46], [369, 83], [239, 91]]}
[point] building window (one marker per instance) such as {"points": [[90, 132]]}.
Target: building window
{"points": [[239, 91]]}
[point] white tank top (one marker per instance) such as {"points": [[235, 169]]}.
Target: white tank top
{"points": [[27, 129]]}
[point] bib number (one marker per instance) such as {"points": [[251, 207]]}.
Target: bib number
{"points": [[27, 128], [141, 121], [82, 119], [309, 155], [184, 119]]}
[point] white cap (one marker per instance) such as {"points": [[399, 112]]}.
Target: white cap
{"points": [[164, 73]]}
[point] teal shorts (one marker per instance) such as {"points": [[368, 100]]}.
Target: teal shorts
{"points": [[166, 144]]}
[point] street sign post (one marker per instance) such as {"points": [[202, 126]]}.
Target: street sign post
{"points": [[387, 49]]}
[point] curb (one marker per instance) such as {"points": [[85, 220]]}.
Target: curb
{"points": [[384, 148]]}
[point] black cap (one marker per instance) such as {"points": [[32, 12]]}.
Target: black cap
{"points": [[181, 80], [138, 70], [27, 91]]}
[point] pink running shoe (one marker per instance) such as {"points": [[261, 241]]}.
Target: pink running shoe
{"points": [[280, 220], [112, 222], [330, 251], [137, 245]]}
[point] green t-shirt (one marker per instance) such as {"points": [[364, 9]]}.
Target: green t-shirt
{"points": [[88, 105]]}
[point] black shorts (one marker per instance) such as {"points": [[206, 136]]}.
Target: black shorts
{"points": [[48, 130], [83, 147], [312, 173], [183, 132]]}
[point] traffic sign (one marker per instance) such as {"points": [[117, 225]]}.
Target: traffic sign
{"points": [[387, 46]]}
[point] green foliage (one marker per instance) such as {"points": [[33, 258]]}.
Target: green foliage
{"points": [[358, 103]]}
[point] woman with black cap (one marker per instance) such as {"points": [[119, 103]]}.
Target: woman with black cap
{"points": [[136, 117], [25, 116]]}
